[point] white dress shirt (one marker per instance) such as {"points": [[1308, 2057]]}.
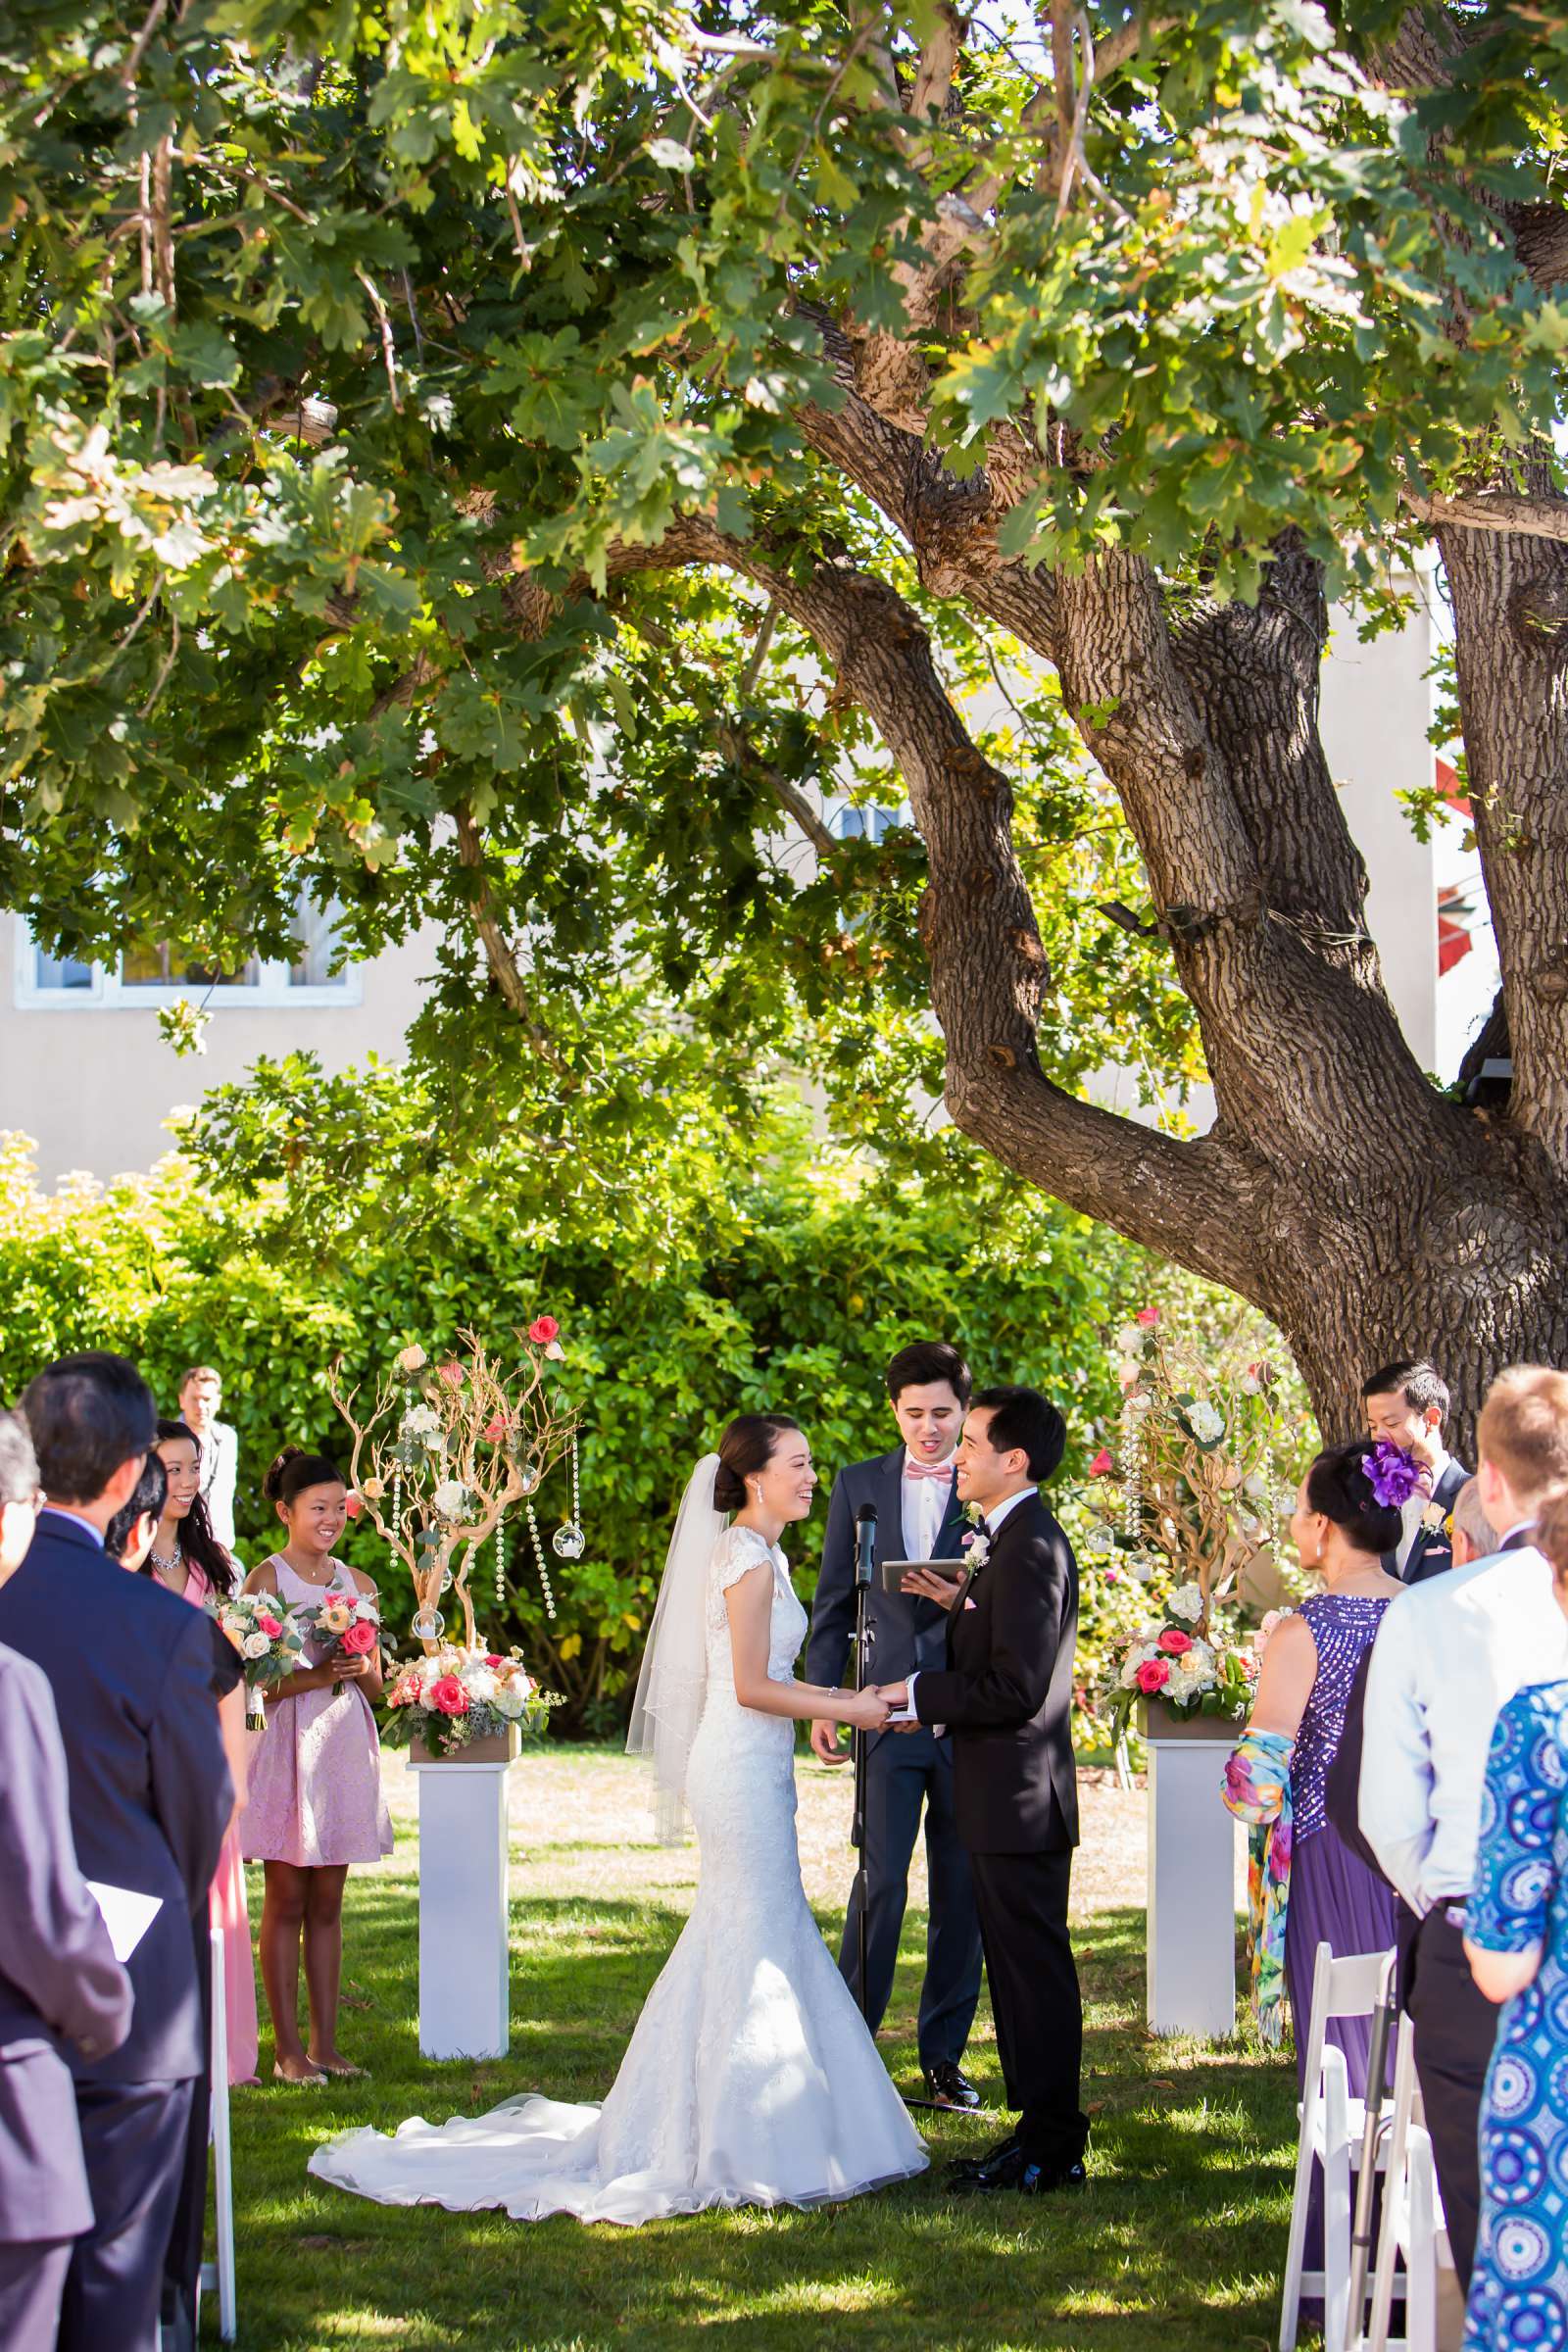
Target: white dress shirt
{"points": [[219, 1471], [925, 1505], [1448, 1656], [1415, 1507], [993, 1519]]}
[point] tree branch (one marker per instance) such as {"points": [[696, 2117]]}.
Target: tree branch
{"points": [[1492, 511]]}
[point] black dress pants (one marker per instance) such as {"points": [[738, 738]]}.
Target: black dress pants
{"points": [[133, 2140], [1455, 2031], [1035, 1997], [903, 1772]]}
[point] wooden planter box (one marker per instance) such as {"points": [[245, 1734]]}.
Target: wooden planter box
{"points": [[1158, 1719], [501, 1748]]}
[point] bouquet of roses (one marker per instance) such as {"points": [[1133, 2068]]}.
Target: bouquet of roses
{"points": [[269, 1640], [345, 1624], [454, 1696]]}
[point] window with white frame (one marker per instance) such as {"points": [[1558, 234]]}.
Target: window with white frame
{"points": [[850, 822], [153, 976]]}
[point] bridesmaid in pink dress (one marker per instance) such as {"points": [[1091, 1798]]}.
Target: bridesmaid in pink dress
{"points": [[187, 1557], [316, 1804]]}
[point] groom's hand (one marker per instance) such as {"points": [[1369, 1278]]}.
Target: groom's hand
{"points": [[924, 1583], [894, 1696], [825, 1744]]}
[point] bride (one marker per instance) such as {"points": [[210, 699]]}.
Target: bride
{"points": [[750, 2078]]}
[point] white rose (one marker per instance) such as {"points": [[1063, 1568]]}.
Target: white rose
{"points": [[1187, 1602], [1130, 1339], [449, 1498], [256, 1645], [421, 1421]]}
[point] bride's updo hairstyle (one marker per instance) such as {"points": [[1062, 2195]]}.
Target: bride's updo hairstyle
{"points": [[294, 1470], [746, 1448], [1337, 1485]]}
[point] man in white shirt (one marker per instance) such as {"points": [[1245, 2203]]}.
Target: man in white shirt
{"points": [[201, 1393], [918, 1517], [1406, 1404], [1450, 1653]]}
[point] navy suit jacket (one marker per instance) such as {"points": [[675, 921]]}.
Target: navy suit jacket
{"points": [[1432, 1553], [59, 1978], [908, 1633], [136, 1675], [1005, 1690]]}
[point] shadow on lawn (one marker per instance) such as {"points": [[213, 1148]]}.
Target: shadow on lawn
{"points": [[1177, 2238]]}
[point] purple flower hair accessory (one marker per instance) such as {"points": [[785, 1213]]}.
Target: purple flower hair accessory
{"points": [[1393, 1476]]}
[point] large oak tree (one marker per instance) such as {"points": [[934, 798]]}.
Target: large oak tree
{"points": [[502, 464]]}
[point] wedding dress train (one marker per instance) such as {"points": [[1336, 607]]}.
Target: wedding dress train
{"points": [[750, 2078]]}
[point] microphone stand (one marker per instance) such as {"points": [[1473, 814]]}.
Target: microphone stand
{"points": [[860, 1743]]}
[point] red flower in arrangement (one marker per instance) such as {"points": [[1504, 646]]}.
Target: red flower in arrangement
{"points": [[1151, 1676], [1146, 1315], [269, 1626], [449, 1696], [352, 1503], [1103, 1463], [452, 1374], [543, 1330], [494, 1431], [1113, 1576], [360, 1640], [1174, 1642], [492, 1658]]}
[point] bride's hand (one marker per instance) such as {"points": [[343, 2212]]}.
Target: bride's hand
{"points": [[863, 1710]]}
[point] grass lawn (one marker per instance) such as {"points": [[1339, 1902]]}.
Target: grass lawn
{"points": [[1176, 2242]]}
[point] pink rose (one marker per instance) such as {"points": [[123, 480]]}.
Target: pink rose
{"points": [[449, 1696], [352, 1503], [360, 1640], [1174, 1642], [543, 1330], [491, 1659], [1152, 1676], [452, 1374], [1103, 1464], [269, 1626], [1146, 1315]]}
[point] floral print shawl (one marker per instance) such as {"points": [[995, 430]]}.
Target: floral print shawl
{"points": [[1257, 1791]]}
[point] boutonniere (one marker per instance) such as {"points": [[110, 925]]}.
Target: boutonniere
{"points": [[976, 1549], [1435, 1519]]}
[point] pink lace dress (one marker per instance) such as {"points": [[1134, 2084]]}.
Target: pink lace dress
{"points": [[316, 1776], [229, 1914]]}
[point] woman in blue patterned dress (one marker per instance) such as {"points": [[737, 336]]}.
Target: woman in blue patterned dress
{"points": [[1516, 1937]]}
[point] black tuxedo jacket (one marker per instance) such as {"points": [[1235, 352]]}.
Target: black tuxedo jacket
{"points": [[1005, 1690], [136, 1675], [1432, 1553], [908, 1633]]}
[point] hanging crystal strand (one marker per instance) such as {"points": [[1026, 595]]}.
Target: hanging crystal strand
{"points": [[568, 1542], [539, 1555]]}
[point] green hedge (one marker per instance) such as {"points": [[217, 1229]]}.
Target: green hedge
{"points": [[776, 1282]]}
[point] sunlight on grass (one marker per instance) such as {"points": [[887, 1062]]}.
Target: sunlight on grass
{"points": [[1175, 2242]]}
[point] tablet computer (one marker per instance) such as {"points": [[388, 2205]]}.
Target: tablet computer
{"points": [[895, 1571]]}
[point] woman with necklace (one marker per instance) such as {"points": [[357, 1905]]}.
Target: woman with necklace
{"points": [[187, 1557], [316, 1804]]}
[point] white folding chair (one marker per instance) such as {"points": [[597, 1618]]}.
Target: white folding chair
{"points": [[1332, 2127], [1413, 2218], [219, 2274]]}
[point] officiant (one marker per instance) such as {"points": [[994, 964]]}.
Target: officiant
{"points": [[918, 1517]]}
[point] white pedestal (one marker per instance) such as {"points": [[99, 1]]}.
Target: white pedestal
{"points": [[1192, 1888], [464, 2003]]}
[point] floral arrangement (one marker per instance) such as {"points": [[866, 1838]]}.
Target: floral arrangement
{"points": [[1185, 1506], [269, 1637], [344, 1622], [444, 1450], [453, 1696]]}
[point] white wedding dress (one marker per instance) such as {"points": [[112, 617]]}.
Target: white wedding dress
{"points": [[750, 2078]]}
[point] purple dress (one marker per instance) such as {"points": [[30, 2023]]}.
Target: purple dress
{"points": [[316, 1776], [1335, 1899]]}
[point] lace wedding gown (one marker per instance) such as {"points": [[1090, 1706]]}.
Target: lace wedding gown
{"points": [[750, 2078]]}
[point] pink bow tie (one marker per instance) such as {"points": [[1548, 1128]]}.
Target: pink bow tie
{"points": [[941, 1470]]}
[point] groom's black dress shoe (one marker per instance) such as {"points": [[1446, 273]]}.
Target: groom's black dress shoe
{"points": [[1024, 2175], [948, 2086], [965, 2168]]}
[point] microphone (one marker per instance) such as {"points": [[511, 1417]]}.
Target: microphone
{"points": [[864, 1543]]}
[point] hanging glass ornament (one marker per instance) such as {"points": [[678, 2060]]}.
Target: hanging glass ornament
{"points": [[429, 1625], [569, 1540]]}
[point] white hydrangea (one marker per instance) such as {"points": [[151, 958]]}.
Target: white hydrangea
{"points": [[1205, 1421], [482, 1683], [510, 1699], [1187, 1602], [421, 1421], [449, 1498]]}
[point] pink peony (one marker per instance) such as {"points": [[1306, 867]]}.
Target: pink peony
{"points": [[448, 1694], [543, 1330], [1151, 1676], [269, 1626], [360, 1640], [1174, 1642], [1146, 1315], [1103, 1464]]}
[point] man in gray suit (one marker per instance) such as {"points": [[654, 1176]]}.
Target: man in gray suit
{"points": [[918, 1517], [59, 1979]]}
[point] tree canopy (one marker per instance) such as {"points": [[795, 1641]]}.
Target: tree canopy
{"points": [[505, 466]]}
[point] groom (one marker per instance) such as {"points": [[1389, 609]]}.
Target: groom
{"points": [[918, 1518], [1006, 1697]]}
